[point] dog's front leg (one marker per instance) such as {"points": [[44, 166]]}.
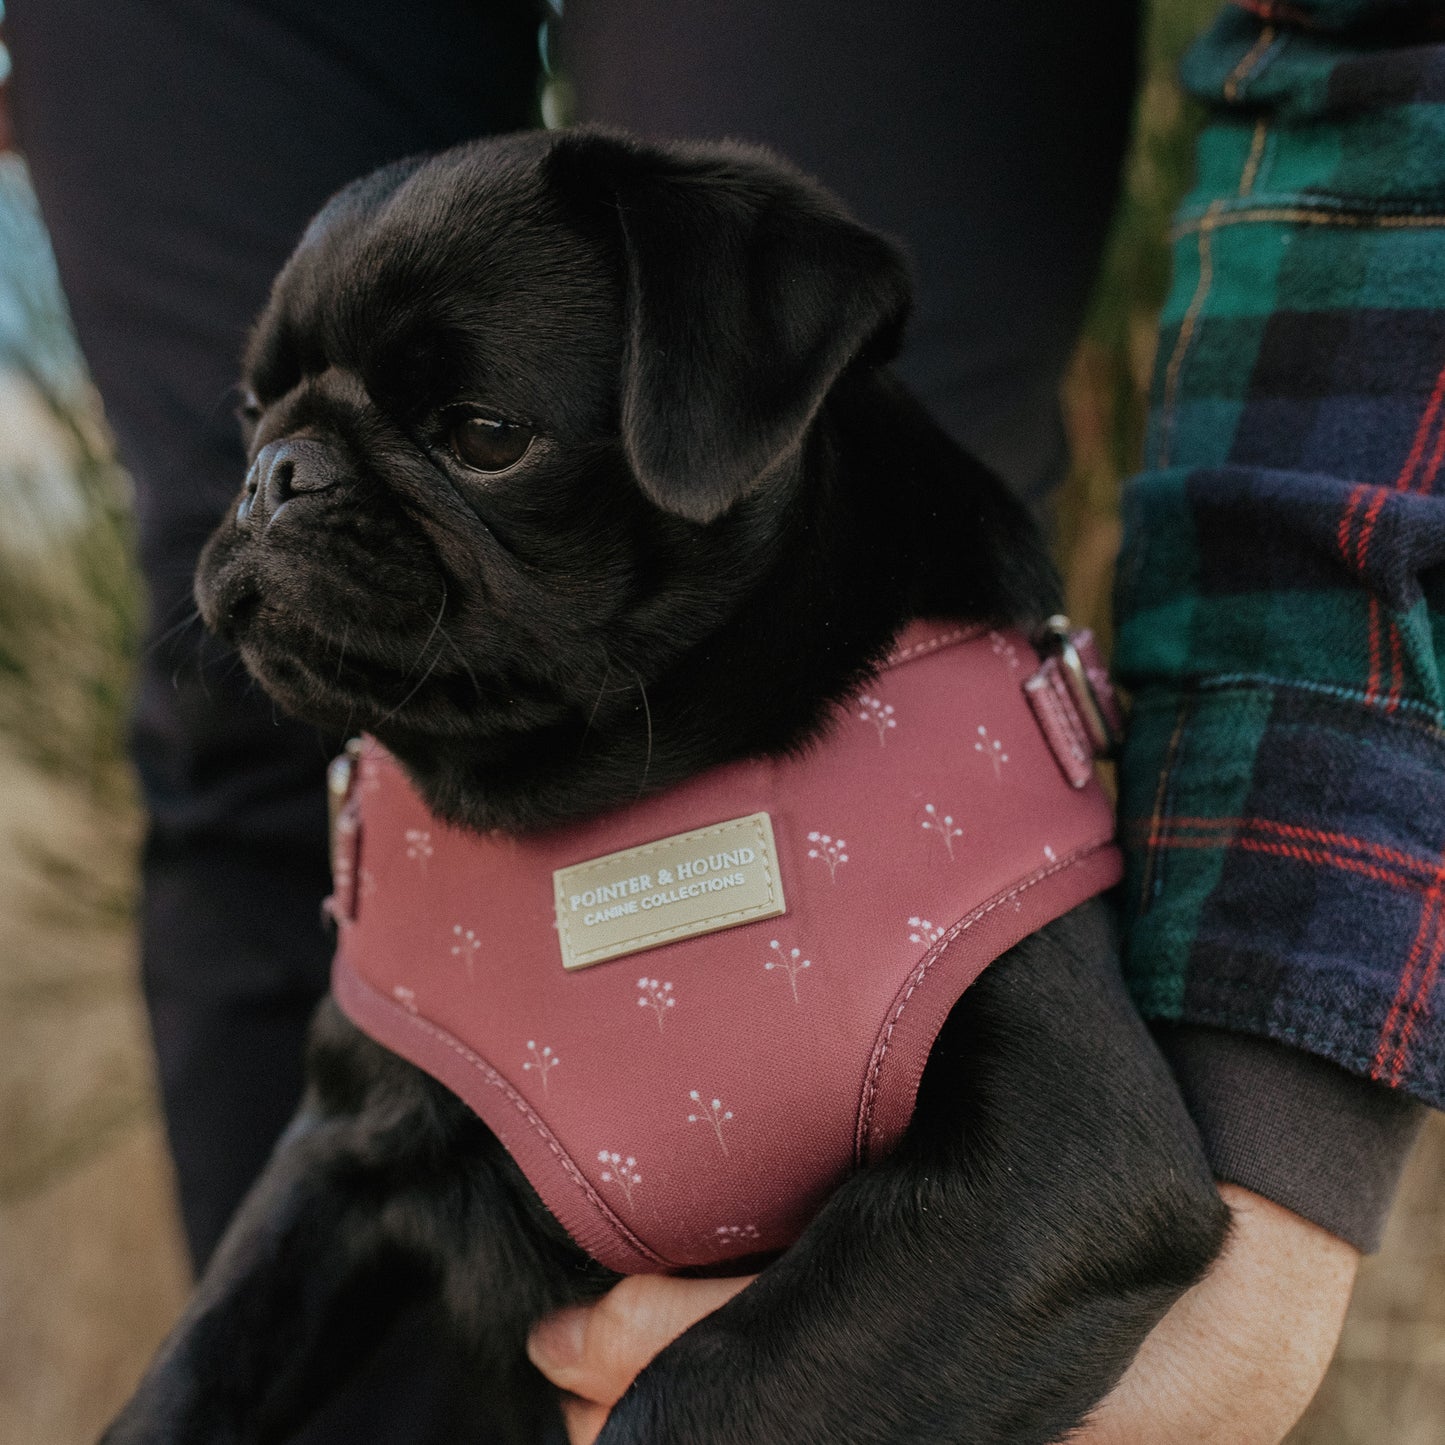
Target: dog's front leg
{"points": [[990, 1282], [305, 1281], [382, 1186]]}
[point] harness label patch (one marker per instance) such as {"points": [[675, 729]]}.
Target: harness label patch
{"points": [[679, 887]]}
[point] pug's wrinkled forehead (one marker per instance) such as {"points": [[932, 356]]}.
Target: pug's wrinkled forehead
{"points": [[697, 300], [461, 279]]}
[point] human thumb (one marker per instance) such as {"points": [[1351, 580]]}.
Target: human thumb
{"points": [[597, 1350]]}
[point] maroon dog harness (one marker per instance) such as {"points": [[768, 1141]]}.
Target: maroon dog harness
{"points": [[691, 1019]]}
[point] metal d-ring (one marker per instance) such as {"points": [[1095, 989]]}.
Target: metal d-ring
{"points": [[340, 775], [1057, 635]]}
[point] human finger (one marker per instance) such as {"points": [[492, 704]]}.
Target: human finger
{"points": [[595, 1351]]}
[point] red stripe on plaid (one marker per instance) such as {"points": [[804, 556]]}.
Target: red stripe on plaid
{"points": [[1397, 669], [1410, 478], [1273, 10], [1317, 856], [1418, 1004], [1357, 556], [1390, 1058], [1432, 470], [1404, 481], [1372, 683], [1342, 536], [1319, 847], [1415, 985], [1372, 515], [1341, 861], [1425, 868], [1428, 922]]}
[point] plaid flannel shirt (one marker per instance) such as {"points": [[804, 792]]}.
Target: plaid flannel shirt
{"points": [[1281, 595]]}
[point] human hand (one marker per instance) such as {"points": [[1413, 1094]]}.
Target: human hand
{"points": [[1234, 1362], [1240, 1356], [594, 1352]]}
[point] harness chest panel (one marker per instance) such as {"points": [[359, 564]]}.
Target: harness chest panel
{"points": [[694, 1101]]}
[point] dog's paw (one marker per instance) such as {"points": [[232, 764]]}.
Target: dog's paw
{"points": [[683, 1400], [716, 1386]]}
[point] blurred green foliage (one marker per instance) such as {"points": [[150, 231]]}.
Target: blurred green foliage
{"points": [[1106, 393], [69, 602]]}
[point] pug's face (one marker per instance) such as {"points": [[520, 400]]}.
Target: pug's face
{"points": [[525, 417]]}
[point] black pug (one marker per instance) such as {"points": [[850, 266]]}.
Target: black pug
{"points": [[587, 444]]}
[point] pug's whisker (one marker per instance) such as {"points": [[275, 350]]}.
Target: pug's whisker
{"points": [[597, 703], [430, 637], [234, 663], [461, 658], [192, 617], [647, 709], [420, 683]]}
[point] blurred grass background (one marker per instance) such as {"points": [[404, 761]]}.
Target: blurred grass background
{"points": [[91, 1270], [1106, 389]]}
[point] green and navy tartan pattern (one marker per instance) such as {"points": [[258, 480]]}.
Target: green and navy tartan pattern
{"points": [[1281, 594]]}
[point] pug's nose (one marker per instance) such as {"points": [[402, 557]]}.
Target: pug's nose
{"points": [[283, 470]]}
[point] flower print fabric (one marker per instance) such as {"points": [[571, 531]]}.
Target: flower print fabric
{"points": [[695, 1103]]}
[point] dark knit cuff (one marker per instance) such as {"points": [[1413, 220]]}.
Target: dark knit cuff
{"points": [[1324, 1143]]}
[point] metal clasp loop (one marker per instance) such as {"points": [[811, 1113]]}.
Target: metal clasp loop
{"points": [[340, 778], [1088, 686], [344, 832]]}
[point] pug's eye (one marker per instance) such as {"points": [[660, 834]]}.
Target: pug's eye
{"points": [[249, 411], [486, 444]]}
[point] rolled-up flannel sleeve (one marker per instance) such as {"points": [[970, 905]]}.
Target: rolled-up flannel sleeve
{"points": [[1281, 593]]}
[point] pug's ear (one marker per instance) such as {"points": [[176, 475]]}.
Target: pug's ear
{"points": [[749, 291]]}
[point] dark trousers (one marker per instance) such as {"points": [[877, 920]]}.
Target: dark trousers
{"points": [[178, 149]]}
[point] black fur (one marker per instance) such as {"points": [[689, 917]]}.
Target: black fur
{"points": [[728, 509]]}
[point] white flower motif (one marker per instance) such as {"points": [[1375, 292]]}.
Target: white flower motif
{"points": [[874, 710], [1050, 854], [619, 1171], [941, 825], [710, 1113], [466, 948], [543, 1061], [791, 963], [1000, 646], [418, 845], [656, 996], [737, 1233], [923, 931], [833, 851], [992, 749], [406, 997]]}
